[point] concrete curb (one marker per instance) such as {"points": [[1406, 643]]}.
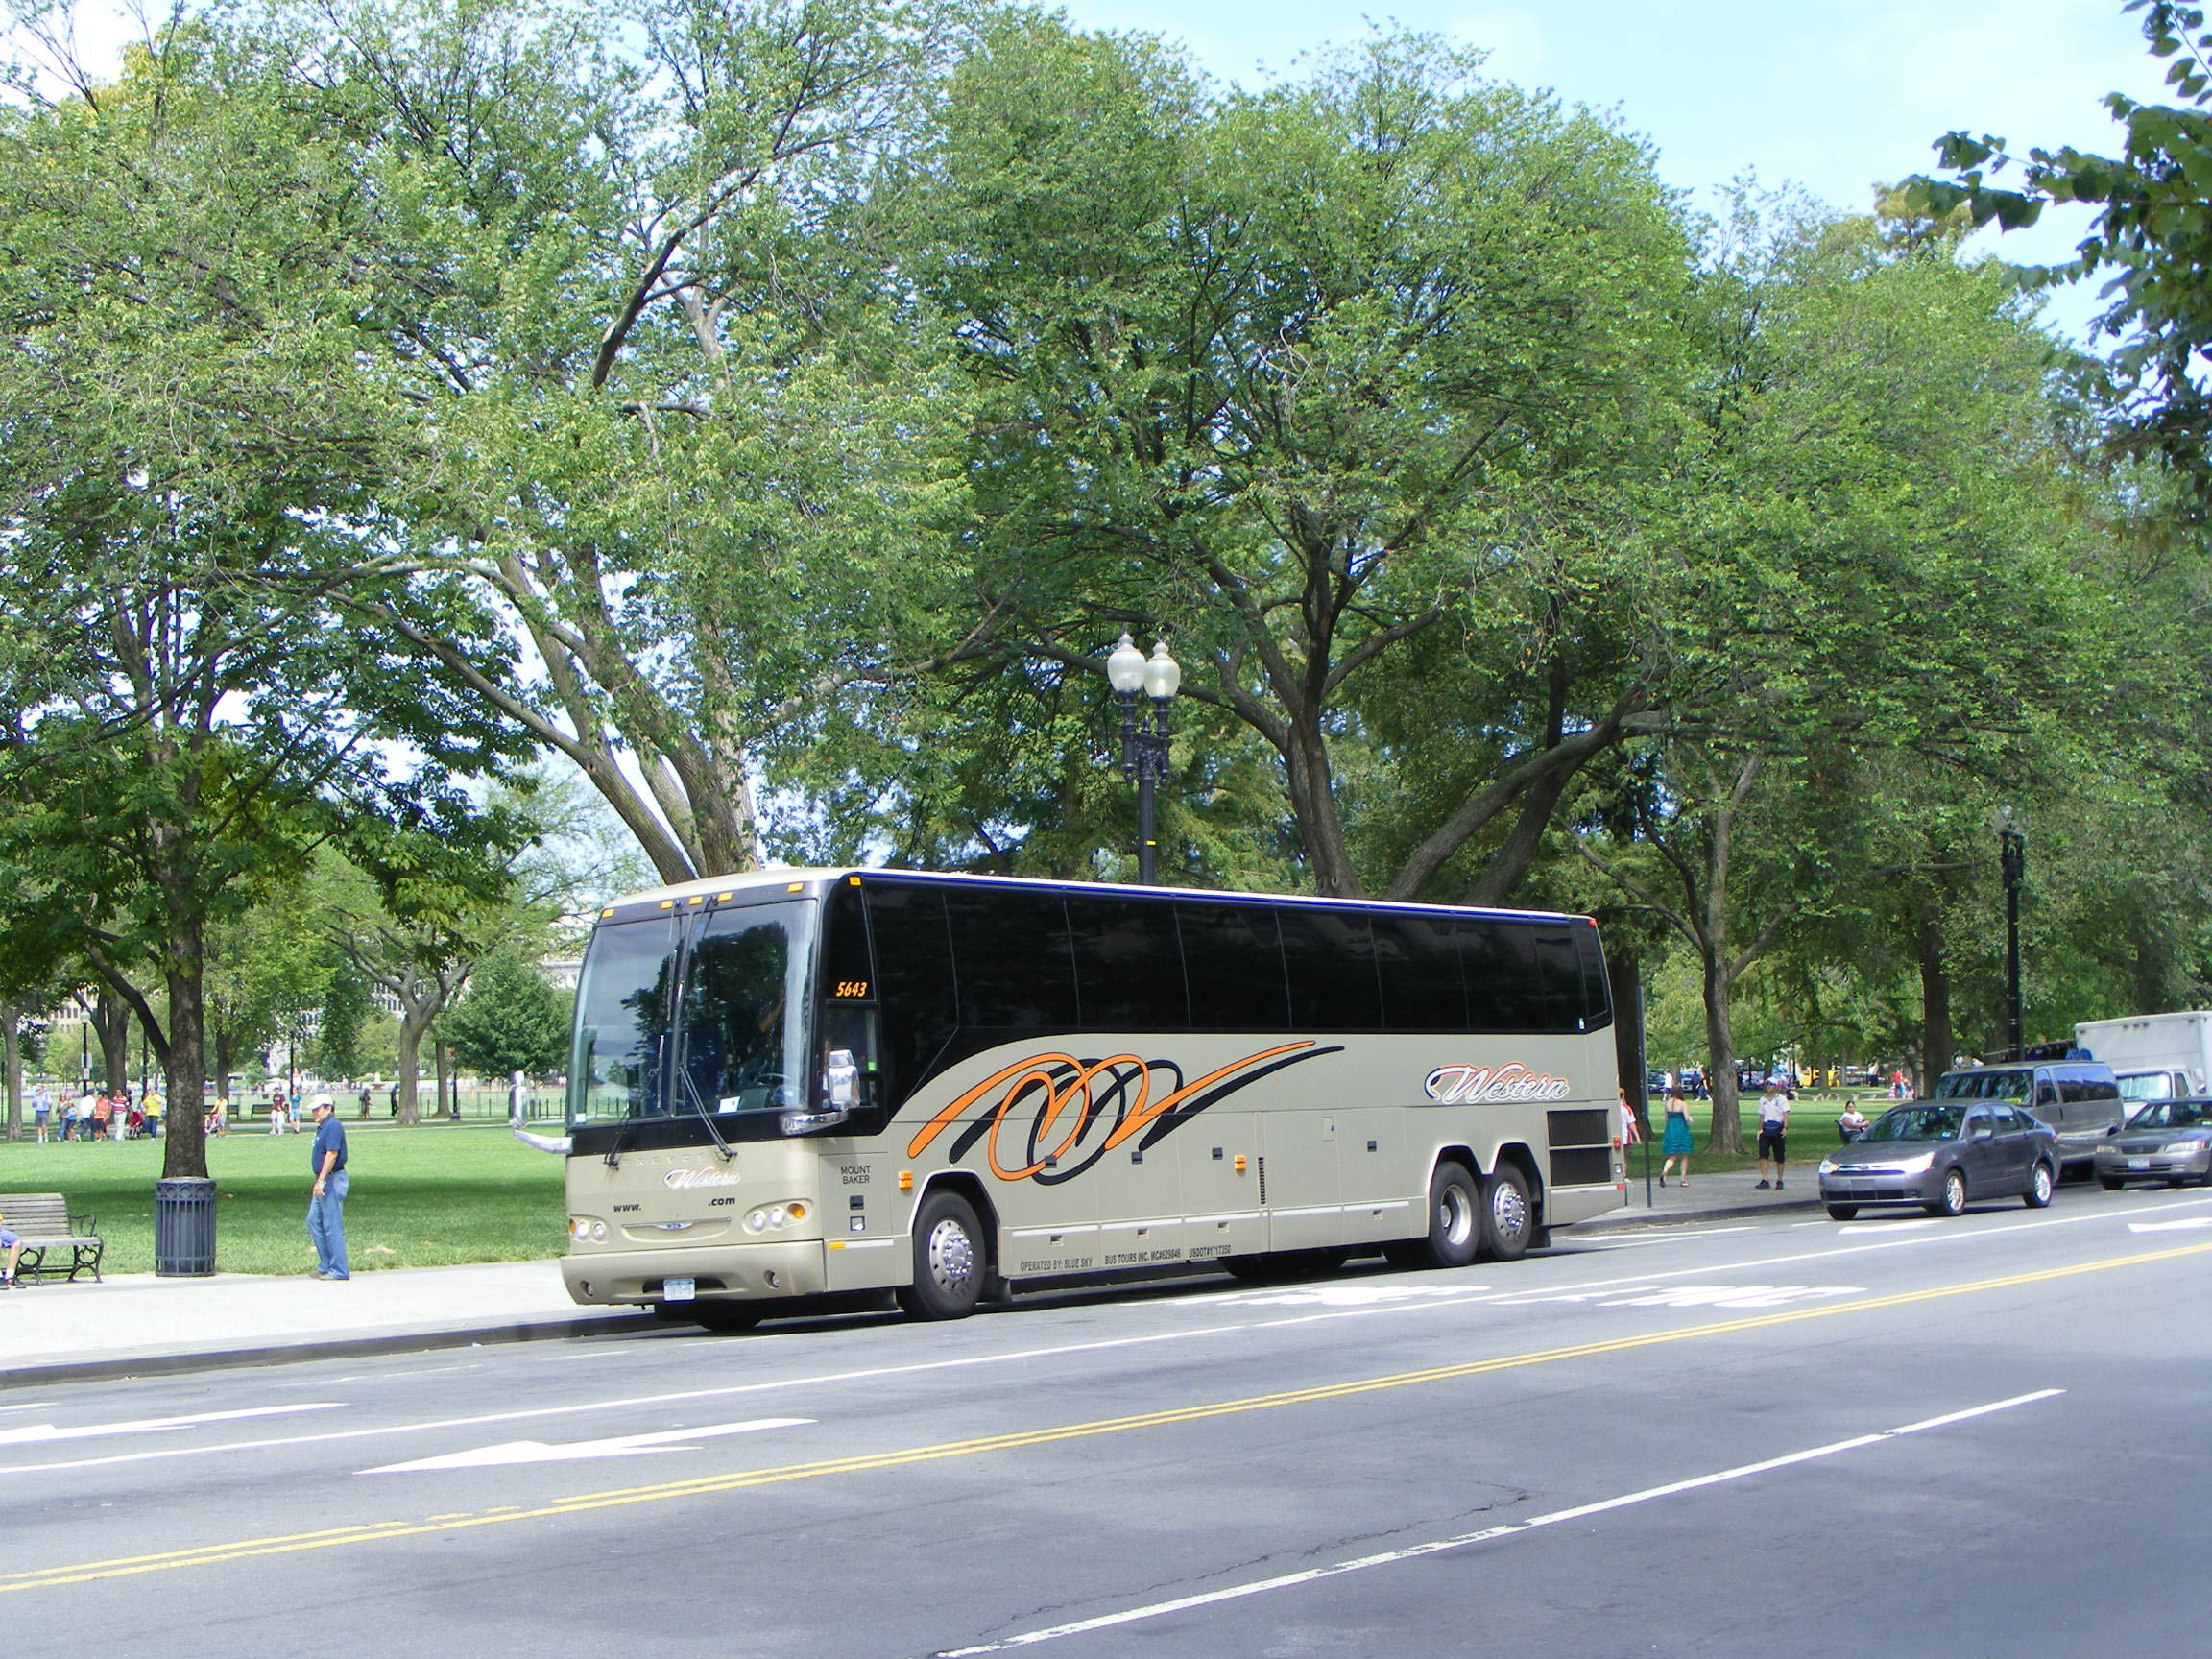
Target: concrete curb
{"points": [[416, 1342], [1638, 1220]]}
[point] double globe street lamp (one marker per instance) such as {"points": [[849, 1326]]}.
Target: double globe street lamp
{"points": [[1143, 731]]}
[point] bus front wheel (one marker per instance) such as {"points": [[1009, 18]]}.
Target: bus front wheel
{"points": [[1507, 1220], [949, 1260]]}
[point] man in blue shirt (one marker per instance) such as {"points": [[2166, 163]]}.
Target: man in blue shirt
{"points": [[326, 1209]]}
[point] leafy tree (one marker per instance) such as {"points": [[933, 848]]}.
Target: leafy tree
{"points": [[346, 1007], [2151, 240], [619, 261], [1330, 379], [511, 1021], [190, 468]]}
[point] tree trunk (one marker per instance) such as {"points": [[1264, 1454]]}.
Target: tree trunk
{"points": [[1727, 1134], [184, 1142], [1313, 802], [111, 1023], [1624, 980], [12, 1044], [414, 1018], [1935, 1038]]}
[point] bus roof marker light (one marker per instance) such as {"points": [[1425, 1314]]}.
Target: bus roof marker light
{"points": [[698, 899], [667, 903], [794, 886]]}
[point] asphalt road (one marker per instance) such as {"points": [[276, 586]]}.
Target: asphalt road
{"points": [[1791, 1437]]}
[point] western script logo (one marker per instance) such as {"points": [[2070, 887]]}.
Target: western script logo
{"points": [[679, 1179], [1513, 1081], [1094, 1105]]}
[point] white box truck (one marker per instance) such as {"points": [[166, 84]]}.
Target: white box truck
{"points": [[2155, 1056]]}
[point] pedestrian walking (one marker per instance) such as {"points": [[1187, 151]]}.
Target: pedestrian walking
{"points": [[327, 1207], [1773, 1128], [41, 1111], [518, 1100], [280, 1108], [1675, 1142]]}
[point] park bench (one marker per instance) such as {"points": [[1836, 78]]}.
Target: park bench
{"points": [[44, 1221]]}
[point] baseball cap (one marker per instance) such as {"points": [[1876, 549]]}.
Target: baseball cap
{"points": [[318, 1102]]}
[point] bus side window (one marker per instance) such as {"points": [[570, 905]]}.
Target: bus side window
{"points": [[1420, 970], [1232, 961], [914, 965], [1328, 957]]}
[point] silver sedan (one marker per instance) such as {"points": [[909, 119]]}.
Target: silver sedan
{"points": [[1942, 1155], [2166, 1141]]}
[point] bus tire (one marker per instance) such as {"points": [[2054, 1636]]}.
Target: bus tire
{"points": [[950, 1260], [1455, 1222], [1508, 1221]]}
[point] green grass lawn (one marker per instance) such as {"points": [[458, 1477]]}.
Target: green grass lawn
{"points": [[426, 1197], [1812, 1132]]}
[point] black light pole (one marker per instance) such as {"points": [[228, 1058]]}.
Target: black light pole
{"points": [[2012, 862], [1144, 732]]}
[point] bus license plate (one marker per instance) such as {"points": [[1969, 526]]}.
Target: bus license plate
{"points": [[679, 1290], [2138, 1162]]}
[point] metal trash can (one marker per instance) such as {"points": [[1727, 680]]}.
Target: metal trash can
{"points": [[184, 1227]]}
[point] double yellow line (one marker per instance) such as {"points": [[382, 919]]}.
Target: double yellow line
{"points": [[378, 1531]]}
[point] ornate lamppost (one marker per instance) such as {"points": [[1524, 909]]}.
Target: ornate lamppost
{"points": [[1143, 731], [2013, 864]]}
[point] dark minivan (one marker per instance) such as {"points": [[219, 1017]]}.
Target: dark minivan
{"points": [[2080, 1099]]}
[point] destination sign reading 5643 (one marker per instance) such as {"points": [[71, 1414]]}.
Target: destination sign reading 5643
{"points": [[851, 986]]}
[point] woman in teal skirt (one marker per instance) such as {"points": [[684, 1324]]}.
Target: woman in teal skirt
{"points": [[1675, 1144]]}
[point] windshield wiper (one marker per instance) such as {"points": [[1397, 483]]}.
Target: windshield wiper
{"points": [[698, 1105]]}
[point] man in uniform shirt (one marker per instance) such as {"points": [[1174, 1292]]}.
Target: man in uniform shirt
{"points": [[326, 1209]]}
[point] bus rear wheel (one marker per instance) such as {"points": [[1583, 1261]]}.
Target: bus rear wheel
{"points": [[951, 1261], [1508, 1222]]}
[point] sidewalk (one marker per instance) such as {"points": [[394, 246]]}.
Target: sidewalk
{"points": [[140, 1325], [1732, 1195]]}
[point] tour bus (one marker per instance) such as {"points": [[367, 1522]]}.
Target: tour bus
{"points": [[803, 1083]]}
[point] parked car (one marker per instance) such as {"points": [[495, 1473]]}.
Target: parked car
{"points": [[2078, 1098], [2167, 1083], [2165, 1141], [1944, 1155]]}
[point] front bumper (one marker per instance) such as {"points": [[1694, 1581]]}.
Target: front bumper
{"points": [[748, 1272], [1848, 1186], [2148, 1166]]}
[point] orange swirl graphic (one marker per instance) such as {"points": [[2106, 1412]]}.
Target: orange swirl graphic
{"points": [[1075, 1091]]}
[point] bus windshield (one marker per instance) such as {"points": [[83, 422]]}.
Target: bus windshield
{"points": [[726, 1042]]}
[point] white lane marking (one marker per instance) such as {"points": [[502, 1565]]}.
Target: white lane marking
{"points": [[1697, 1297], [2181, 1226], [1463, 1540], [30, 1405], [620, 1446], [1886, 1226], [631, 1404], [41, 1433], [402, 1376], [1363, 1293]]}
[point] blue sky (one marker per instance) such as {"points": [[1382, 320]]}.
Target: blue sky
{"points": [[1830, 97]]}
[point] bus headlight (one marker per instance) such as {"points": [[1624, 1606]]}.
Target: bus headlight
{"points": [[775, 1216]]}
